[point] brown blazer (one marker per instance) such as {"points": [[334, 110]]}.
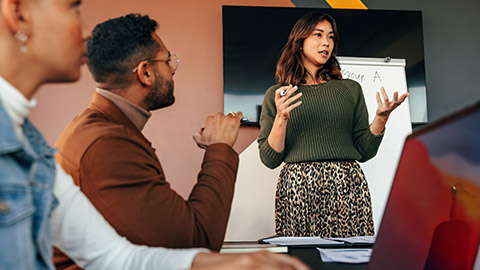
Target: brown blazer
{"points": [[118, 170]]}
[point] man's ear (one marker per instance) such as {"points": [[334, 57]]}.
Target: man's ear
{"points": [[15, 14], [145, 73]]}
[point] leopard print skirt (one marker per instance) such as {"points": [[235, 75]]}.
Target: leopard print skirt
{"points": [[326, 199]]}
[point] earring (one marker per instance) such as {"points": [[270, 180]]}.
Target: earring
{"points": [[22, 37]]}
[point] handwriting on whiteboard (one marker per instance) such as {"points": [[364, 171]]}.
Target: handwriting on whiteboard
{"points": [[360, 77]]}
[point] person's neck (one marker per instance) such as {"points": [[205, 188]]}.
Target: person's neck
{"points": [[21, 75], [132, 93], [137, 115], [310, 78]]}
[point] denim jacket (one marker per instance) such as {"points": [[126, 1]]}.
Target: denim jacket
{"points": [[27, 172]]}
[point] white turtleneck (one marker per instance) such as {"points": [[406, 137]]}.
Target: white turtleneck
{"points": [[77, 228], [18, 107]]}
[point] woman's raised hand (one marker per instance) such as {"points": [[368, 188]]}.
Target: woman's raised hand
{"points": [[387, 106], [285, 100]]}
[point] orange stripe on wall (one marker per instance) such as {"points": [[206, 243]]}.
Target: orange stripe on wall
{"points": [[352, 4]]}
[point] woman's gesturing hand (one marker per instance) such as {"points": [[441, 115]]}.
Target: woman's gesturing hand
{"points": [[387, 106], [384, 109]]}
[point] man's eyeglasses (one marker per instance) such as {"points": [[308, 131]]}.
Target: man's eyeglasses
{"points": [[173, 61]]}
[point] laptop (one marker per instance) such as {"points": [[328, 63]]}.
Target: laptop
{"points": [[432, 216]]}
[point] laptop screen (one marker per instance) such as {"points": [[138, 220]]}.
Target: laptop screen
{"points": [[432, 217]]}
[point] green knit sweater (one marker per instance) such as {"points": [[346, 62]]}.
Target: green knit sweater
{"points": [[330, 124]]}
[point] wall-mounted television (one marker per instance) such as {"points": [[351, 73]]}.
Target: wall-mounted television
{"points": [[253, 38]]}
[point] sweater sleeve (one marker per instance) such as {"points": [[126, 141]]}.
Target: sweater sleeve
{"points": [[79, 230], [365, 142], [268, 155], [125, 181]]}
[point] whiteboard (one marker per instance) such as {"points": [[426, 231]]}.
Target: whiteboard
{"points": [[253, 207], [371, 74]]}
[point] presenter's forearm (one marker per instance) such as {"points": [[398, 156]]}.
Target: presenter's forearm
{"points": [[378, 124], [276, 138]]}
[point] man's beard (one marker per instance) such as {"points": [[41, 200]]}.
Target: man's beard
{"points": [[161, 94]]}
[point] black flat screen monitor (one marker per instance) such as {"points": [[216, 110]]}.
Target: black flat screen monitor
{"points": [[253, 38]]}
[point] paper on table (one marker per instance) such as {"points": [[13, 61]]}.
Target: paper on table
{"points": [[318, 241], [351, 255], [299, 241], [247, 246], [368, 239]]}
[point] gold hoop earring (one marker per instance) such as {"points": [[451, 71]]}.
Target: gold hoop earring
{"points": [[23, 38]]}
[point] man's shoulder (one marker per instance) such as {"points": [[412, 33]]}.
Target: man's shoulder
{"points": [[88, 128], [93, 124]]}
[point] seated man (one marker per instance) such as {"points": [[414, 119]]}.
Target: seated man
{"points": [[114, 164]]}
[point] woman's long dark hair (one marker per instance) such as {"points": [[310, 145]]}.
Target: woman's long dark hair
{"points": [[290, 68]]}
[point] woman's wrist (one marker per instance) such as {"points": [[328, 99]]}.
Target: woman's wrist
{"points": [[378, 125], [280, 118]]}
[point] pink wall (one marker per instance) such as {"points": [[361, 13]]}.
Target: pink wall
{"points": [[190, 28]]}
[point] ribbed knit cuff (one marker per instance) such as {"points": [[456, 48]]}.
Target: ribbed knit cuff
{"points": [[371, 142], [375, 139], [270, 157]]}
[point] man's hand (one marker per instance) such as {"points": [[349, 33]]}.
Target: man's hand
{"points": [[262, 260], [219, 129]]}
